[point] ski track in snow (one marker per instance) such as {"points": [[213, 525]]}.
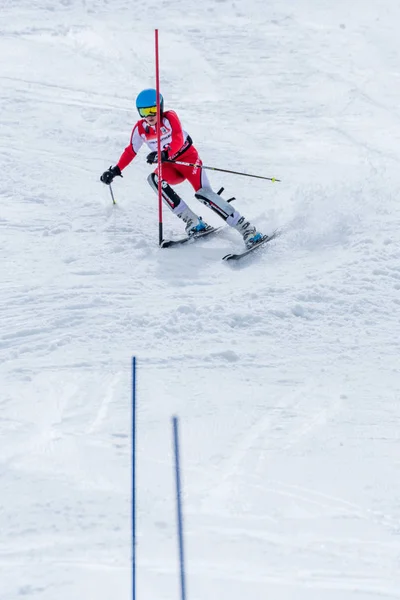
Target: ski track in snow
{"points": [[283, 369]]}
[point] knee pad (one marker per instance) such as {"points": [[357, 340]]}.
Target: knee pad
{"points": [[169, 195]]}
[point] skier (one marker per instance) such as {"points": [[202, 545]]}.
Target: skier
{"points": [[176, 144]]}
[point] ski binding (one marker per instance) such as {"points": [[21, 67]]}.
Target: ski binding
{"points": [[264, 240], [184, 240]]}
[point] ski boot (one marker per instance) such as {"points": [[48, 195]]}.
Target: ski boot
{"points": [[250, 234], [251, 237], [191, 229]]}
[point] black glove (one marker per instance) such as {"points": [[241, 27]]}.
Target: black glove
{"points": [[152, 158], [109, 175]]}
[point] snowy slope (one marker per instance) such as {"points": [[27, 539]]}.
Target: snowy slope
{"points": [[284, 370]]}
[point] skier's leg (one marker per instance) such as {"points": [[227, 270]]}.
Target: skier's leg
{"points": [[175, 203], [207, 196]]}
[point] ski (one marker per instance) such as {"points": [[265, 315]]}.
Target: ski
{"points": [[184, 240], [264, 240]]}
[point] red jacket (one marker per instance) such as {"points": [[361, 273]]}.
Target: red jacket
{"points": [[173, 138]]}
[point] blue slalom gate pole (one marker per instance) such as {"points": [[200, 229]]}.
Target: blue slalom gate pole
{"points": [[179, 507], [133, 478]]}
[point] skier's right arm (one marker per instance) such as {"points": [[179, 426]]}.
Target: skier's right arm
{"points": [[130, 151], [126, 157]]}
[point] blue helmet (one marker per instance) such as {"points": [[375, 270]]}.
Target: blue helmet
{"points": [[148, 98]]}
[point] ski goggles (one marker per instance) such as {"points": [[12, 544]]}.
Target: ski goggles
{"points": [[149, 111]]}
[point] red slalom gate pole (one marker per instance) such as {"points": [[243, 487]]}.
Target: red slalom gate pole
{"points": [[159, 164]]}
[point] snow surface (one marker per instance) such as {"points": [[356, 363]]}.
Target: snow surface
{"points": [[284, 371]]}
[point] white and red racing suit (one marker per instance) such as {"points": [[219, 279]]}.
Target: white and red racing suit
{"points": [[178, 145]]}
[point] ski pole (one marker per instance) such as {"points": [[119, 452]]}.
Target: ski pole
{"points": [[112, 194], [185, 164]]}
